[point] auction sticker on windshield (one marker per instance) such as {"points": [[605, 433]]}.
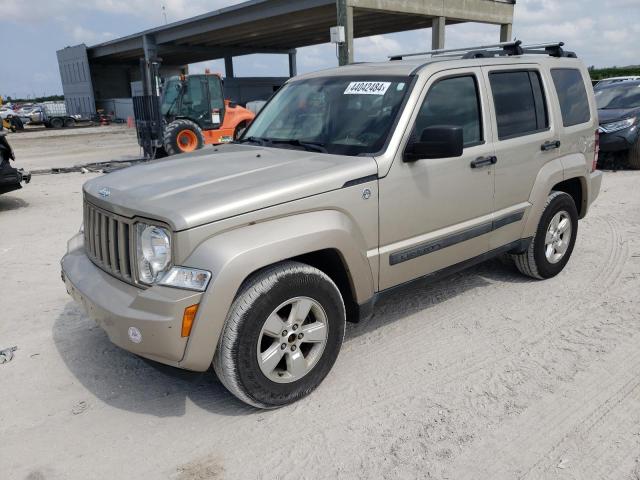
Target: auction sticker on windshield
{"points": [[367, 88]]}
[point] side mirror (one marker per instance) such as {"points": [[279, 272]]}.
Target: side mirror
{"points": [[436, 142]]}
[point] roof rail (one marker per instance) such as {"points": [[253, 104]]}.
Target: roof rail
{"points": [[553, 49]]}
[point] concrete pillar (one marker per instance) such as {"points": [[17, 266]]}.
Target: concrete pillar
{"points": [[437, 33], [506, 32], [228, 67], [345, 19], [293, 64]]}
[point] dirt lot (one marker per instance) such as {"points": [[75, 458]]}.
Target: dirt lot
{"points": [[43, 148], [484, 375]]}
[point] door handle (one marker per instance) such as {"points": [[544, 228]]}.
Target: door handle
{"points": [[546, 146], [484, 162]]}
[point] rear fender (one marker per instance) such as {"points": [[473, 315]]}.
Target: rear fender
{"points": [[548, 176], [234, 255]]}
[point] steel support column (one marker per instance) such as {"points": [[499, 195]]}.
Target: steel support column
{"points": [[228, 67], [293, 63], [345, 19]]}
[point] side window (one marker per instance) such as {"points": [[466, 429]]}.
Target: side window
{"points": [[453, 101], [574, 103], [215, 92], [519, 102]]}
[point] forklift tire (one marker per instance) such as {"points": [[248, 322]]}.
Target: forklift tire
{"points": [[56, 122], [239, 131], [182, 136]]}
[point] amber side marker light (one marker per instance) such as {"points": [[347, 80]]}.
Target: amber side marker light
{"points": [[187, 319]]}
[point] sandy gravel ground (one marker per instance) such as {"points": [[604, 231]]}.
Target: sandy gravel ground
{"points": [[484, 375], [44, 148]]}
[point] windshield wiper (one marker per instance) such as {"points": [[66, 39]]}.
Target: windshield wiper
{"points": [[258, 140], [310, 146]]}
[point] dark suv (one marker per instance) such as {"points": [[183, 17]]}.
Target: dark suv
{"points": [[619, 116]]}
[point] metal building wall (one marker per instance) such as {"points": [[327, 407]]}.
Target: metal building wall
{"points": [[76, 80]]}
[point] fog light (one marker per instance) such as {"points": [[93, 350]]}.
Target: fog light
{"points": [[187, 319]]}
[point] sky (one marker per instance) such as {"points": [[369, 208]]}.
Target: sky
{"points": [[602, 32]]}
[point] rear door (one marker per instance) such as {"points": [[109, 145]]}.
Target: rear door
{"points": [[525, 138], [216, 102]]}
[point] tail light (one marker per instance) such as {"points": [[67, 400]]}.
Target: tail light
{"points": [[596, 152]]}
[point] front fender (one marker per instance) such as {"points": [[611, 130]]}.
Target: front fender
{"points": [[233, 255]]}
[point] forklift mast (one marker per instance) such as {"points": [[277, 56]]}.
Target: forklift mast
{"points": [[149, 121]]}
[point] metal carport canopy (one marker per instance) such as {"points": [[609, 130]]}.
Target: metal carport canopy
{"points": [[278, 26]]}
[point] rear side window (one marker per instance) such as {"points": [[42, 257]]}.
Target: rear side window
{"points": [[453, 101], [574, 103], [519, 102]]}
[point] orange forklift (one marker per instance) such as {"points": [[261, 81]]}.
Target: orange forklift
{"points": [[188, 112]]}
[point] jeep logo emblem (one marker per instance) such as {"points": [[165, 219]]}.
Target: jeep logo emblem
{"points": [[104, 192]]}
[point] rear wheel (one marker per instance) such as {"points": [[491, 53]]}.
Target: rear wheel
{"points": [[182, 136], [634, 155], [69, 122], [555, 238], [282, 336]]}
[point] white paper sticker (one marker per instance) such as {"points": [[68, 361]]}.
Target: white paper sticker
{"points": [[367, 88], [215, 118]]}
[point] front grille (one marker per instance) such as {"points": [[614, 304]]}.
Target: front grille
{"points": [[108, 241]]}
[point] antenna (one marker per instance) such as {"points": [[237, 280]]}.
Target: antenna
{"points": [[164, 14]]}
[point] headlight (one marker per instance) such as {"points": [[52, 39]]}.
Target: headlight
{"points": [[153, 247], [186, 278], [616, 126]]}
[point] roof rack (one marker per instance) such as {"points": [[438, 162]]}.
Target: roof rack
{"points": [[496, 50]]}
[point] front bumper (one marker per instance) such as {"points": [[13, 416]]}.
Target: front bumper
{"points": [[117, 307], [620, 140]]}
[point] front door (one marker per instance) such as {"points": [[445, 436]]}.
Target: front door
{"points": [[438, 212]]}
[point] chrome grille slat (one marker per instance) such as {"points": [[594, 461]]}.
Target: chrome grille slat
{"points": [[109, 242], [113, 263], [104, 250]]}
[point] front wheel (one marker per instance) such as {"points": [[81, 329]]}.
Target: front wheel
{"points": [[182, 136], [282, 335], [555, 238], [633, 157]]}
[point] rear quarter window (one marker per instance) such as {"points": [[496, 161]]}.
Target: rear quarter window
{"points": [[572, 94], [519, 102]]}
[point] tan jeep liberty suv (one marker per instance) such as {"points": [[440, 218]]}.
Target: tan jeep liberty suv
{"points": [[350, 182]]}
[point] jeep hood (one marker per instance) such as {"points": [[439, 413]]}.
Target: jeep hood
{"points": [[606, 115], [209, 185]]}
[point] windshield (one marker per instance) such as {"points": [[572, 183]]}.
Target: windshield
{"points": [[620, 96], [340, 115], [170, 95]]}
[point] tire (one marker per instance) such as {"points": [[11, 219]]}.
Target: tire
{"points": [[17, 123], [182, 136], [56, 122], [535, 262], [69, 122], [633, 158], [267, 295], [238, 130]]}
